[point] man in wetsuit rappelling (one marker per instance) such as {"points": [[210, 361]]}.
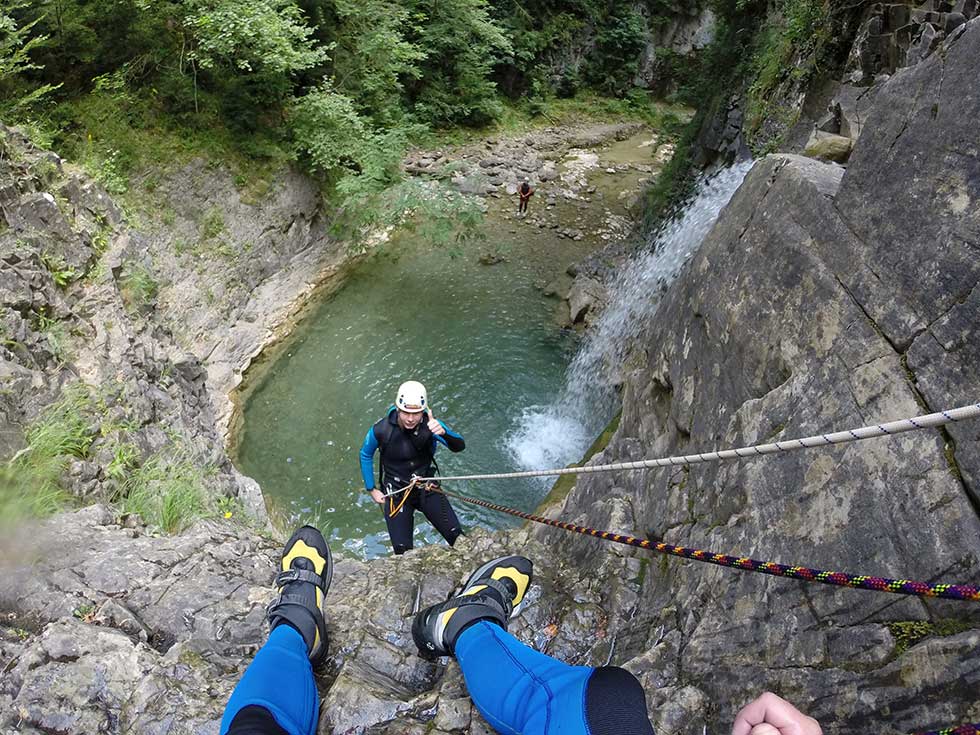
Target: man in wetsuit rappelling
{"points": [[408, 437]]}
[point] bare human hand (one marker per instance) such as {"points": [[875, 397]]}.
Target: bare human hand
{"points": [[434, 426], [377, 496], [772, 715]]}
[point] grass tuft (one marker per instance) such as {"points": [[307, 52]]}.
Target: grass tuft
{"points": [[166, 492], [139, 288], [30, 484]]}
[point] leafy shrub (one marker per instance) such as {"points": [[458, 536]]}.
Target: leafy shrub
{"points": [[17, 41], [252, 35], [329, 131]]}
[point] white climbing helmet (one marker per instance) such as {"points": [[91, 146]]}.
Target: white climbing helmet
{"points": [[411, 397]]}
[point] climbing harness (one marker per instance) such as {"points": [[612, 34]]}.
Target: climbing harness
{"points": [[840, 579], [392, 510], [915, 423]]}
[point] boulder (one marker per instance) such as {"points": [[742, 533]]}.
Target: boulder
{"points": [[584, 297], [828, 147]]}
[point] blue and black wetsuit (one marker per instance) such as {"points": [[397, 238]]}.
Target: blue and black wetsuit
{"points": [[520, 691], [403, 454], [517, 689]]}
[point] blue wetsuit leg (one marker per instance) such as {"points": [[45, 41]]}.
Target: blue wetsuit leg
{"points": [[518, 690], [280, 679]]}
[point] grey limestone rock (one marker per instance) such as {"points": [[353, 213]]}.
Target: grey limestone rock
{"points": [[828, 147], [585, 297], [822, 299]]}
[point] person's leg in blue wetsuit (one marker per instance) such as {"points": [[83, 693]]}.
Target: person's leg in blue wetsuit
{"points": [[518, 689], [277, 694]]}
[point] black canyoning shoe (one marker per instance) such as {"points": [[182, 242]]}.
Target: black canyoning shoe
{"points": [[494, 592], [305, 572]]}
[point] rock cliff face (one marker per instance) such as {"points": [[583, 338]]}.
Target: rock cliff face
{"points": [[234, 265], [823, 115], [824, 298], [79, 302]]}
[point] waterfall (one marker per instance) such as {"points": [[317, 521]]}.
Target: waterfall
{"points": [[560, 433]]}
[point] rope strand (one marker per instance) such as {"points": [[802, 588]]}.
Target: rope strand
{"points": [[940, 418], [971, 729], [839, 579]]}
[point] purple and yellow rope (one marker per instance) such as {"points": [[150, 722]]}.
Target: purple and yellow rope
{"points": [[839, 579], [973, 729]]}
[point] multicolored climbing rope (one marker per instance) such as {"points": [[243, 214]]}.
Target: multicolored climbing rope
{"points": [[839, 579], [973, 729]]}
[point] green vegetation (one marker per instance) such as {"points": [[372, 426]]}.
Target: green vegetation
{"points": [[212, 224], [705, 82], [18, 40], [166, 492], [769, 50], [230, 508], [797, 44], [341, 87], [125, 459], [30, 485], [84, 612], [909, 632], [56, 332], [138, 287], [62, 273]]}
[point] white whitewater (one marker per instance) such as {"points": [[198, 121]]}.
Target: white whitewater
{"points": [[558, 434]]}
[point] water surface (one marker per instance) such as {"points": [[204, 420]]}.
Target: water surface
{"points": [[483, 339], [486, 343]]}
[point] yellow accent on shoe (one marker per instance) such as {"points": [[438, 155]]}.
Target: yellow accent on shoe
{"points": [[520, 580], [449, 613], [302, 550], [446, 615]]}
